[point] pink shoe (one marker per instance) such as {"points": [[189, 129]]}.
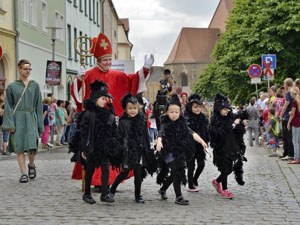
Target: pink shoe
{"points": [[227, 194], [195, 189], [217, 186]]}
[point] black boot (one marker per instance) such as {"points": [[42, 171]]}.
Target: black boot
{"points": [[139, 200], [181, 201], [162, 194], [107, 198], [88, 199]]}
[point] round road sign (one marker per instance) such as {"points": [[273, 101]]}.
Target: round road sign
{"points": [[254, 71]]}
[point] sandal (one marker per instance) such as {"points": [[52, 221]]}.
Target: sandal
{"points": [[31, 171], [24, 178]]}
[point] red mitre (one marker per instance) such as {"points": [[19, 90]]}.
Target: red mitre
{"points": [[183, 93], [101, 46]]}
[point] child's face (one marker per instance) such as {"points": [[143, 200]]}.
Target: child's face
{"points": [[173, 112], [224, 112], [196, 108], [132, 109], [101, 101]]}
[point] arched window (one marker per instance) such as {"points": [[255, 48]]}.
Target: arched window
{"points": [[184, 80]]}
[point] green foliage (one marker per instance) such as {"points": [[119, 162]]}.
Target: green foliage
{"points": [[254, 28]]}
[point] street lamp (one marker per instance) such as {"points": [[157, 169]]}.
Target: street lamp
{"points": [[53, 38]]}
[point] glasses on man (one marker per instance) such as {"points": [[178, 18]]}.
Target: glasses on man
{"points": [[26, 69]]}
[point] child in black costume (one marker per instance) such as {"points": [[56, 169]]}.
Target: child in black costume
{"points": [[226, 133], [176, 145], [95, 141], [198, 122], [137, 155]]}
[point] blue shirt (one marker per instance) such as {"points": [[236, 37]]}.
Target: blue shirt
{"points": [[288, 98], [46, 120]]}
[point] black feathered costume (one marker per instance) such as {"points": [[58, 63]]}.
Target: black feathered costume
{"points": [[178, 147], [226, 139], [137, 154], [96, 137], [199, 124]]}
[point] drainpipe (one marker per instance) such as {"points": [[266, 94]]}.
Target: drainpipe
{"points": [[17, 37], [102, 16]]}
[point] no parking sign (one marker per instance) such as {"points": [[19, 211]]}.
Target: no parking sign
{"points": [[254, 72]]}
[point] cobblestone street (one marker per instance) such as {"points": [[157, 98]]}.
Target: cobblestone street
{"points": [[271, 196]]}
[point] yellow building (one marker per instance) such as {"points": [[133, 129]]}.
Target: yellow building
{"points": [[124, 45], [7, 43]]}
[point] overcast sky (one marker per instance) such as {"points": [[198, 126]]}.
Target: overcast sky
{"points": [[156, 24]]}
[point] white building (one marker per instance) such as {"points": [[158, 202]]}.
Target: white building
{"points": [[82, 19]]}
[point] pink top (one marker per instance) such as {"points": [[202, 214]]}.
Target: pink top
{"points": [[278, 105]]}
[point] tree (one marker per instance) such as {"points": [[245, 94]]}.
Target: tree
{"points": [[254, 28]]}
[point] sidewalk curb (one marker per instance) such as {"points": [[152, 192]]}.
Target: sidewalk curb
{"points": [[290, 174], [40, 150]]}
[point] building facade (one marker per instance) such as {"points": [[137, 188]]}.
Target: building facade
{"points": [[82, 19], [124, 45], [110, 25], [193, 48], [7, 43], [34, 39]]}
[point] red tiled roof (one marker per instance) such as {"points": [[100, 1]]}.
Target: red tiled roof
{"points": [[125, 21], [194, 45]]}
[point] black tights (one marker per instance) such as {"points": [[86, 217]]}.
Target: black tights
{"points": [[104, 177], [137, 170], [193, 178], [223, 176], [172, 179]]}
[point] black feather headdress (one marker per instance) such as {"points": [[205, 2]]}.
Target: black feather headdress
{"points": [[98, 89], [221, 102], [128, 98], [174, 101]]}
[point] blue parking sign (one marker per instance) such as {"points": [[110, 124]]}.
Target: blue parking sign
{"points": [[266, 61]]}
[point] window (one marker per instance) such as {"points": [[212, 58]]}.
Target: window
{"points": [[59, 22], [25, 11], [80, 6], [33, 12], [85, 7], [184, 80], [94, 18], [98, 14], [69, 42], [75, 36], [44, 16], [90, 9], [75, 3]]}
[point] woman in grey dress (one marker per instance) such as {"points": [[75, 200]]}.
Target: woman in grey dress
{"points": [[253, 123]]}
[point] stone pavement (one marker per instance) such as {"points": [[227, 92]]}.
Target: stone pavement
{"points": [[271, 196]]}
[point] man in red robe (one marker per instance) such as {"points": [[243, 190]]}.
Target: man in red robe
{"points": [[119, 83]]}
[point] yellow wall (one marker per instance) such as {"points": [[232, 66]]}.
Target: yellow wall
{"points": [[7, 40], [123, 45]]}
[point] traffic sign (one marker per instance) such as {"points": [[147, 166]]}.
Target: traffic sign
{"points": [[268, 61], [269, 74], [255, 80], [1, 52], [254, 71]]}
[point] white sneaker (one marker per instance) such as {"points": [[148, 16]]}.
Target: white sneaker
{"points": [[286, 158]]}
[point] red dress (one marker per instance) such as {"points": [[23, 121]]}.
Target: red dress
{"points": [[119, 84]]}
